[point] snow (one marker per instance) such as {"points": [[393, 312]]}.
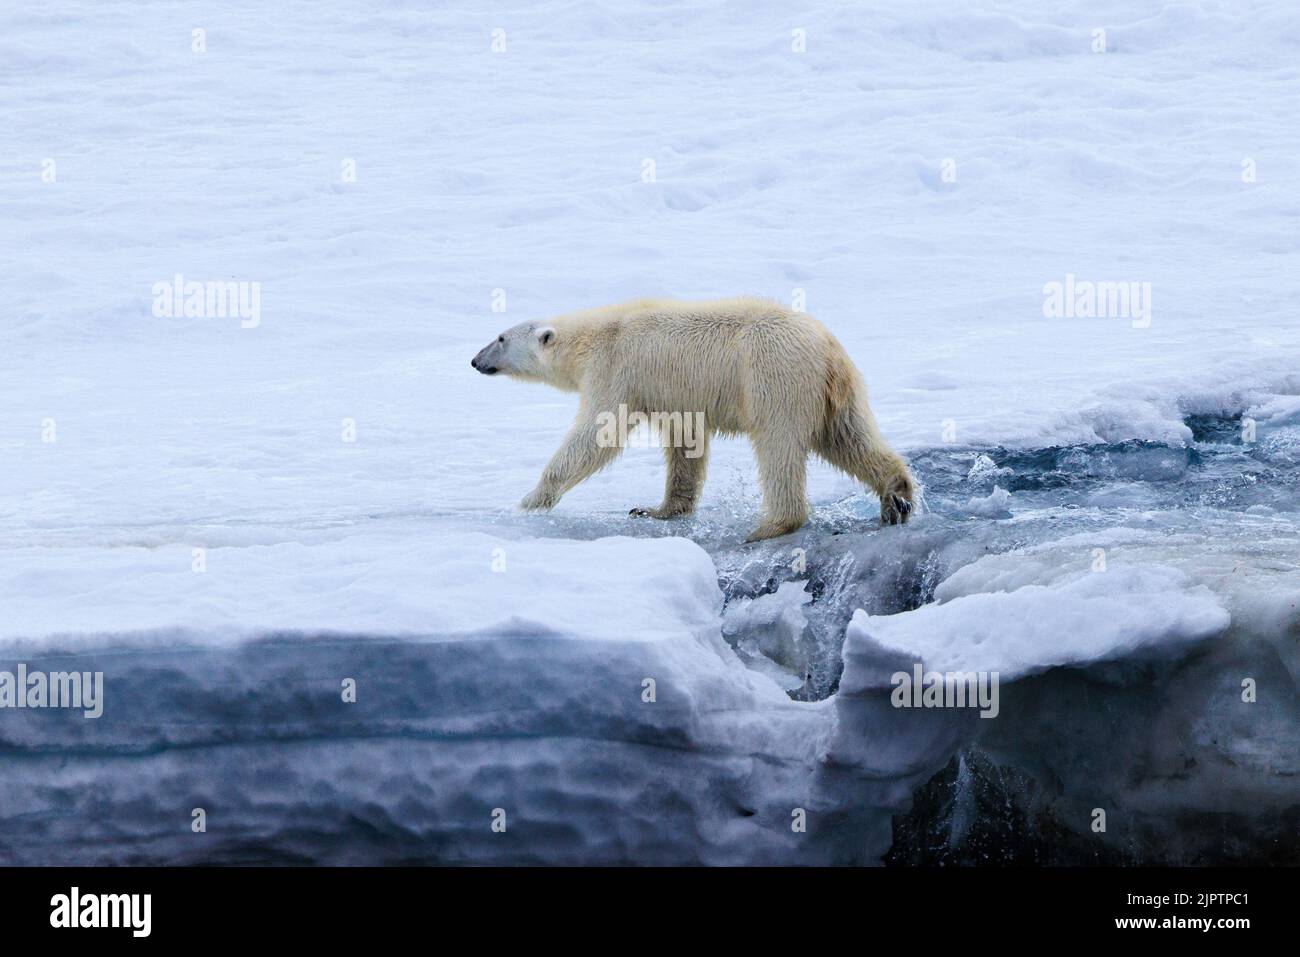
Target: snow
{"points": [[352, 481], [1092, 617], [615, 589]]}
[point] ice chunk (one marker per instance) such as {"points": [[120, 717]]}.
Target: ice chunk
{"points": [[995, 504], [984, 469], [773, 627], [1090, 617]]}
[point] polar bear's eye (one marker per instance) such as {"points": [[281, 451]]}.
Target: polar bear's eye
{"points": [[501, 338]]}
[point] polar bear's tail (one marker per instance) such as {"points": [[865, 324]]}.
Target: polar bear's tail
{"points": [[851, 441]]}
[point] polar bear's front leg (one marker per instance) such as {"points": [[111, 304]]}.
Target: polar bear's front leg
{"points": [[540, 499], [581, 455]]}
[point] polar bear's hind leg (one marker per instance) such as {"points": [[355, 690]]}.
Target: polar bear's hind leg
{"points": [[782, 472], [684, 483]]}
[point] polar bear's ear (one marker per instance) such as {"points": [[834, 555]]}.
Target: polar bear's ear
{"points": [[545, 335]]}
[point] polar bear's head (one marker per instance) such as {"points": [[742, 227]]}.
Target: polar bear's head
{"points": [[522, 351]]}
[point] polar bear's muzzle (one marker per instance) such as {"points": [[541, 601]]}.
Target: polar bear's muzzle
{"points": [[488, 361]]}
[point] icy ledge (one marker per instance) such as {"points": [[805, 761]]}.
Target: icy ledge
{"points": [[581, 688], [1097, 616]]}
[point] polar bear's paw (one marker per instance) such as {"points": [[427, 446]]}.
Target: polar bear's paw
{"points": [[774, 528], [894, 509], [538, 500], [661, 511]]}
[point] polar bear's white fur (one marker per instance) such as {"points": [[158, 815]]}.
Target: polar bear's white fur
{"points": [[744, 365]]}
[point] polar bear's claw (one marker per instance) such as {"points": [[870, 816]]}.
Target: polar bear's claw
{"points": [[895, 510], [659, 512]]}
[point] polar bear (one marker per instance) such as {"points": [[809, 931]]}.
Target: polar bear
{"points": [[738, 366]]}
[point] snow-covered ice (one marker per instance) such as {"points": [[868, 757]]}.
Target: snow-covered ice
{"points": [[1092, 617], [384, 586], [917, 175]]}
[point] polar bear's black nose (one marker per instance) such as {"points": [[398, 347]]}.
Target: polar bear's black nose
{"points": [[483, 361]]}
